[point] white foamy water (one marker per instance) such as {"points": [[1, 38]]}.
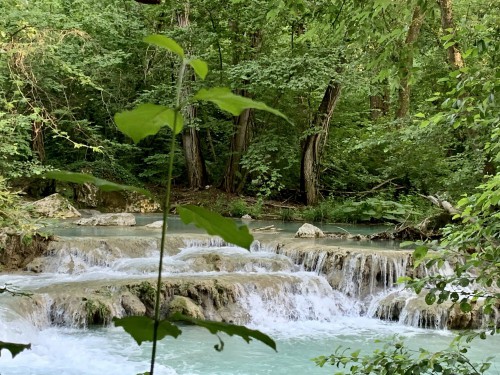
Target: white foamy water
{"points": [[285, 295]]}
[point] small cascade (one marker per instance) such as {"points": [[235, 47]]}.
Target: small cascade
{"points": [[305, 298], [77, 255], [358, 273]]}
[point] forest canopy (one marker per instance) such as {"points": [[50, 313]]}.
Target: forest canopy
{"points": [[387, 100]]}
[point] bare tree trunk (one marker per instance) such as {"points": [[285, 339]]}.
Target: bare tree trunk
{"points": [[407, 63], [37, 141], [454, 55], [195, 164], [313, 145], [379, 104], [239, 144], [233, 177]]}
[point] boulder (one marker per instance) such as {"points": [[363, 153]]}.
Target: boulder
{"points": [[120, 219], [133, 305], [155, 225], [246, 217], [185, 306], [54, 206], [309, 231]]}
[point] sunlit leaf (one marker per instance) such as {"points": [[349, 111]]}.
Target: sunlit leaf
{"points": [[13, 348], [232, 103], [147, 119], [82, 178], [217, 225], [420, 252], [200, 67], [229, 329], [141, 328], [165, 42]]}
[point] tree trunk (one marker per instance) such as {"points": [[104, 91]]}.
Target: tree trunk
{"points": [[407, 63], [379, 104], [313, 145], [454, 55], [233, 177], [195, 164], [239, 145]]}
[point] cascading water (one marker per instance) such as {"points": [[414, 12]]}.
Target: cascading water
{"points": [[310, 298]]}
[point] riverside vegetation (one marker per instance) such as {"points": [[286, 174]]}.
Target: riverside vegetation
{"points": [[390, 102]]}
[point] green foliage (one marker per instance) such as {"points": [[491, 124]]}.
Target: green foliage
{"points": [[13, 348], [215, 224], [82, 178], [142, 328], [472, 246], [229, 329], [369, 210], [396, 358], [11, 217], [238, 208], [232, 103], [148, 119]]}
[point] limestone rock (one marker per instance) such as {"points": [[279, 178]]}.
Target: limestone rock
{"points": [[185, 306], [133, 305], [54, 206], [89, 212], [119, 219], [155, 225], [309, 231]]}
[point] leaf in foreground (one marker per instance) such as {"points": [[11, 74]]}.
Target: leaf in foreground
{"points": [[217, 225], [245, 333], [200, 67], [13, 348], [141, 328], [147, 119], [82, 178], [232, 103], [165, 42]]}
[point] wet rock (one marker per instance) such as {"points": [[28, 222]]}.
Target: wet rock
{"points": [[309, 231], [155, 225], [185, 306], [37, 265], [89, 212], [246, 217], [133, 305], [16, 251], [118, 219], [54, 206]]}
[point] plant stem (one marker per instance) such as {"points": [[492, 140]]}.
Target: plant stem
{"points": [[166, 209]]}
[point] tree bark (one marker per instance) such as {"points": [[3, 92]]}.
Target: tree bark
{"points": [[239, 145], [407, 63], [454, 55], [242, 131], [195, 164], [313, 145], [379, 104]]}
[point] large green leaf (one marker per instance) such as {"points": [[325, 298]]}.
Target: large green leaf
{"points": [[147, 119], [234, 104], [215, 224], [13, 348], [141, 328], [245, 333], [82, 178], [200, 67], [165, 42]]}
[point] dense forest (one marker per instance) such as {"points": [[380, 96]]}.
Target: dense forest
{"points": [[388, 101]]}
